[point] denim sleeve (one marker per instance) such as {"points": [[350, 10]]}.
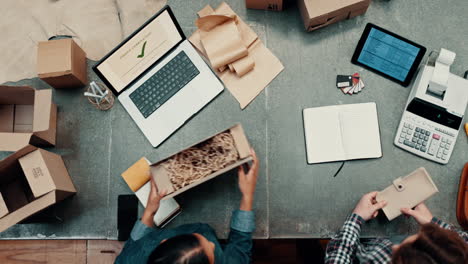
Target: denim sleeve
{"points": [[140, 230], [239, 245]]}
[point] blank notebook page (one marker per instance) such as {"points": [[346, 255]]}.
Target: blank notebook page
{"points": [[342, 132], [360, 126], [323, 134]]}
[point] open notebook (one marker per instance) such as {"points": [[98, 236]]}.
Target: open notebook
{"points": [[342, 132]]}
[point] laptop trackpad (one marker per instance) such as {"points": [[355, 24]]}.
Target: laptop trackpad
{"points": [[186, 106]]}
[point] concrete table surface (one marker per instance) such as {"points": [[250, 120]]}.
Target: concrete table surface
{"points": [[293, 199]]}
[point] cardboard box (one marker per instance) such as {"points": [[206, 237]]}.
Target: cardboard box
{"points": [[274, 5], [61, 63], [27, 116], [32, 180], [163, 181], [320, 13], [7, 118], [3, 207]]}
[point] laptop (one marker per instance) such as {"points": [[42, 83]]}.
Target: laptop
{"points": [[159, 77]]}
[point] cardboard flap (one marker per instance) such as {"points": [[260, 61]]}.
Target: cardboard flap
{"points": [[3, 207], [42, 108], [27, 210], [161, 178], [36, 172], [242, 144], [137, 175], [14, 141], [16, 95], [58, 171], [8, 161]]}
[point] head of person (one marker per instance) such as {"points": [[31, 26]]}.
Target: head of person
{"points": [[431, 245], [184, 249]]}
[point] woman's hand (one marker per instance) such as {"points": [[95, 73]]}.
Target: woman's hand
{"points": [[368, 208], [152, 206], [420, 213], [247, 183]]}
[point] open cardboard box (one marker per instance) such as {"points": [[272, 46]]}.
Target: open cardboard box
{"points": [[27, 116], [32, 179], [320, 13], [163, 181]]}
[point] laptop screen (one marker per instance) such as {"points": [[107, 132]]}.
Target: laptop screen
{"points": [[140, 51]]}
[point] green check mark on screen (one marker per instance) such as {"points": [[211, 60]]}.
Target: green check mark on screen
{"points": [[142, 51]]}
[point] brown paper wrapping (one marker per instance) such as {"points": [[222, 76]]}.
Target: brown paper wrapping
{"points": [[208, 22], [223, 44], [242, 66], [244, 83]]}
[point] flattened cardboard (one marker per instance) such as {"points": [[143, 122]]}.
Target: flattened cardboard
{"points": [[17, 189], [44, 124], [320, 13], [273, 5], [407, 192], [61, 63], [7, 115], [244, 84], [161, 177]]}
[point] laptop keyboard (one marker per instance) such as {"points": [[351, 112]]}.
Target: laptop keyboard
{"points": [[164, 84]]}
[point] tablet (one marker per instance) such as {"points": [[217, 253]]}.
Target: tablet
{"points": [[388, 54]]}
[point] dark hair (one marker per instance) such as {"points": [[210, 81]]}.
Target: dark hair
{"points": [[182, 249], [434, 245]]}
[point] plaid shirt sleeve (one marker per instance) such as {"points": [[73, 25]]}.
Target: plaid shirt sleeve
{"points": [[343, 246], [346, 247], [463, 235]]}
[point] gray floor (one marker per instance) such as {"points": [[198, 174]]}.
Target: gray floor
{"points": [[293, 199]]}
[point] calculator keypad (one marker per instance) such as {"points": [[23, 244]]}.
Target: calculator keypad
{"points": [[425, 141]]}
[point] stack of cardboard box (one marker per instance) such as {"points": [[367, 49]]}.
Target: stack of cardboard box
{"points": [[32, 179]]}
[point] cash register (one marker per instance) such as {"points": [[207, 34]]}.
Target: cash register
{"points": [[434, 111]]}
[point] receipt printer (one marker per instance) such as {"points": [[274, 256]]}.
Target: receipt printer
{"points": [[434, 111]]}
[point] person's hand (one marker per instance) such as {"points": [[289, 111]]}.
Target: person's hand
{"points": [[368, 208], [420, 213], [152, 206], [247, 183]]}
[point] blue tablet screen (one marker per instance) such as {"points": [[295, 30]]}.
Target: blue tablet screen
{"points": [[388, 54]]}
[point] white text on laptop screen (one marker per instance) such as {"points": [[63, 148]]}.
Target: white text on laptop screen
{"points": [[140, 52]]}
